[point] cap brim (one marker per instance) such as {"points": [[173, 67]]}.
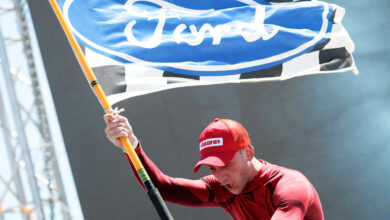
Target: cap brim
{"points": [[215, 159]]}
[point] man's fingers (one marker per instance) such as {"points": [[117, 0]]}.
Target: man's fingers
{"points": [[114, 118], [117, 126], [111, 125], [108, 118], [116, 130], [115, 137], [117, 142]]}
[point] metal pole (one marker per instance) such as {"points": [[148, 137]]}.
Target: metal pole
{"points": [[52, 168], [11, 154], [22, 141]]}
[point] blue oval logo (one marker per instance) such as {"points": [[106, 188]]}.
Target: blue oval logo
{"points": [[200, 37]]}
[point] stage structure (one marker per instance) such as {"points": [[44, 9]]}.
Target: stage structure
{"points": [[30, 180]]}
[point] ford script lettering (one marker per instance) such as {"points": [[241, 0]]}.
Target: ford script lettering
{"points": [[249, 31], [200, 38]]}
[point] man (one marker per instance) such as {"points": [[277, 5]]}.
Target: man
{"points": [[245, 187]]}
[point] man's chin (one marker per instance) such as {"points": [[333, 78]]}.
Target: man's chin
{"points": [[235, 191]]}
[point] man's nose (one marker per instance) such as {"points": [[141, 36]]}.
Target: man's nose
{"points": [[221, 175]]}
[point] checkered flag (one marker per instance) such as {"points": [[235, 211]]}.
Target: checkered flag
{"points": [[121, 81]]}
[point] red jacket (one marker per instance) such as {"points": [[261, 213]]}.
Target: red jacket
{"points": [[275, 193]]}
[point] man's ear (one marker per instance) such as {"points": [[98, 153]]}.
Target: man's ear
{"points": [[249, 152]]}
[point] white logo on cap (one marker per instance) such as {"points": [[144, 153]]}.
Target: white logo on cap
{"points": [[211, 142]]}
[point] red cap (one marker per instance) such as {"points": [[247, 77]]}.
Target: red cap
{"points": [[220, 141]]}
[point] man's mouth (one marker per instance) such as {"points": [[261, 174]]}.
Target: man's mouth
{"points": [[228, 186]]}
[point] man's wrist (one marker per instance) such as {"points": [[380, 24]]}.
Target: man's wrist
{"points": [[135, 144]]}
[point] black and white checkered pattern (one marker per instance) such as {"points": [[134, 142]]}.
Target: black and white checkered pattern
{"points": [[121, 81]]}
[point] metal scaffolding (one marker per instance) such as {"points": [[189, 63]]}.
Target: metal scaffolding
{"points": [[30, 180]]}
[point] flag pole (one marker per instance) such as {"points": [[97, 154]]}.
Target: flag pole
{"points": [[153, 192]]}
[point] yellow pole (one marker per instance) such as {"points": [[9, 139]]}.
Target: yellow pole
{"points": [[153, 193], [93, 81]]}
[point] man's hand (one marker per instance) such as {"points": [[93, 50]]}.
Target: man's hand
{"points": [[118, 126]]}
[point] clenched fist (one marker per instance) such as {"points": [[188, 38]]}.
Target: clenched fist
{"points": [[118, 126]]}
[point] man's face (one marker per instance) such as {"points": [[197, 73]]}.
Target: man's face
{"points": [[233, 176]]}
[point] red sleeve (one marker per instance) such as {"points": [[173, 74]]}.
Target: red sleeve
{"points": [[194, 193], [293, 196]]}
